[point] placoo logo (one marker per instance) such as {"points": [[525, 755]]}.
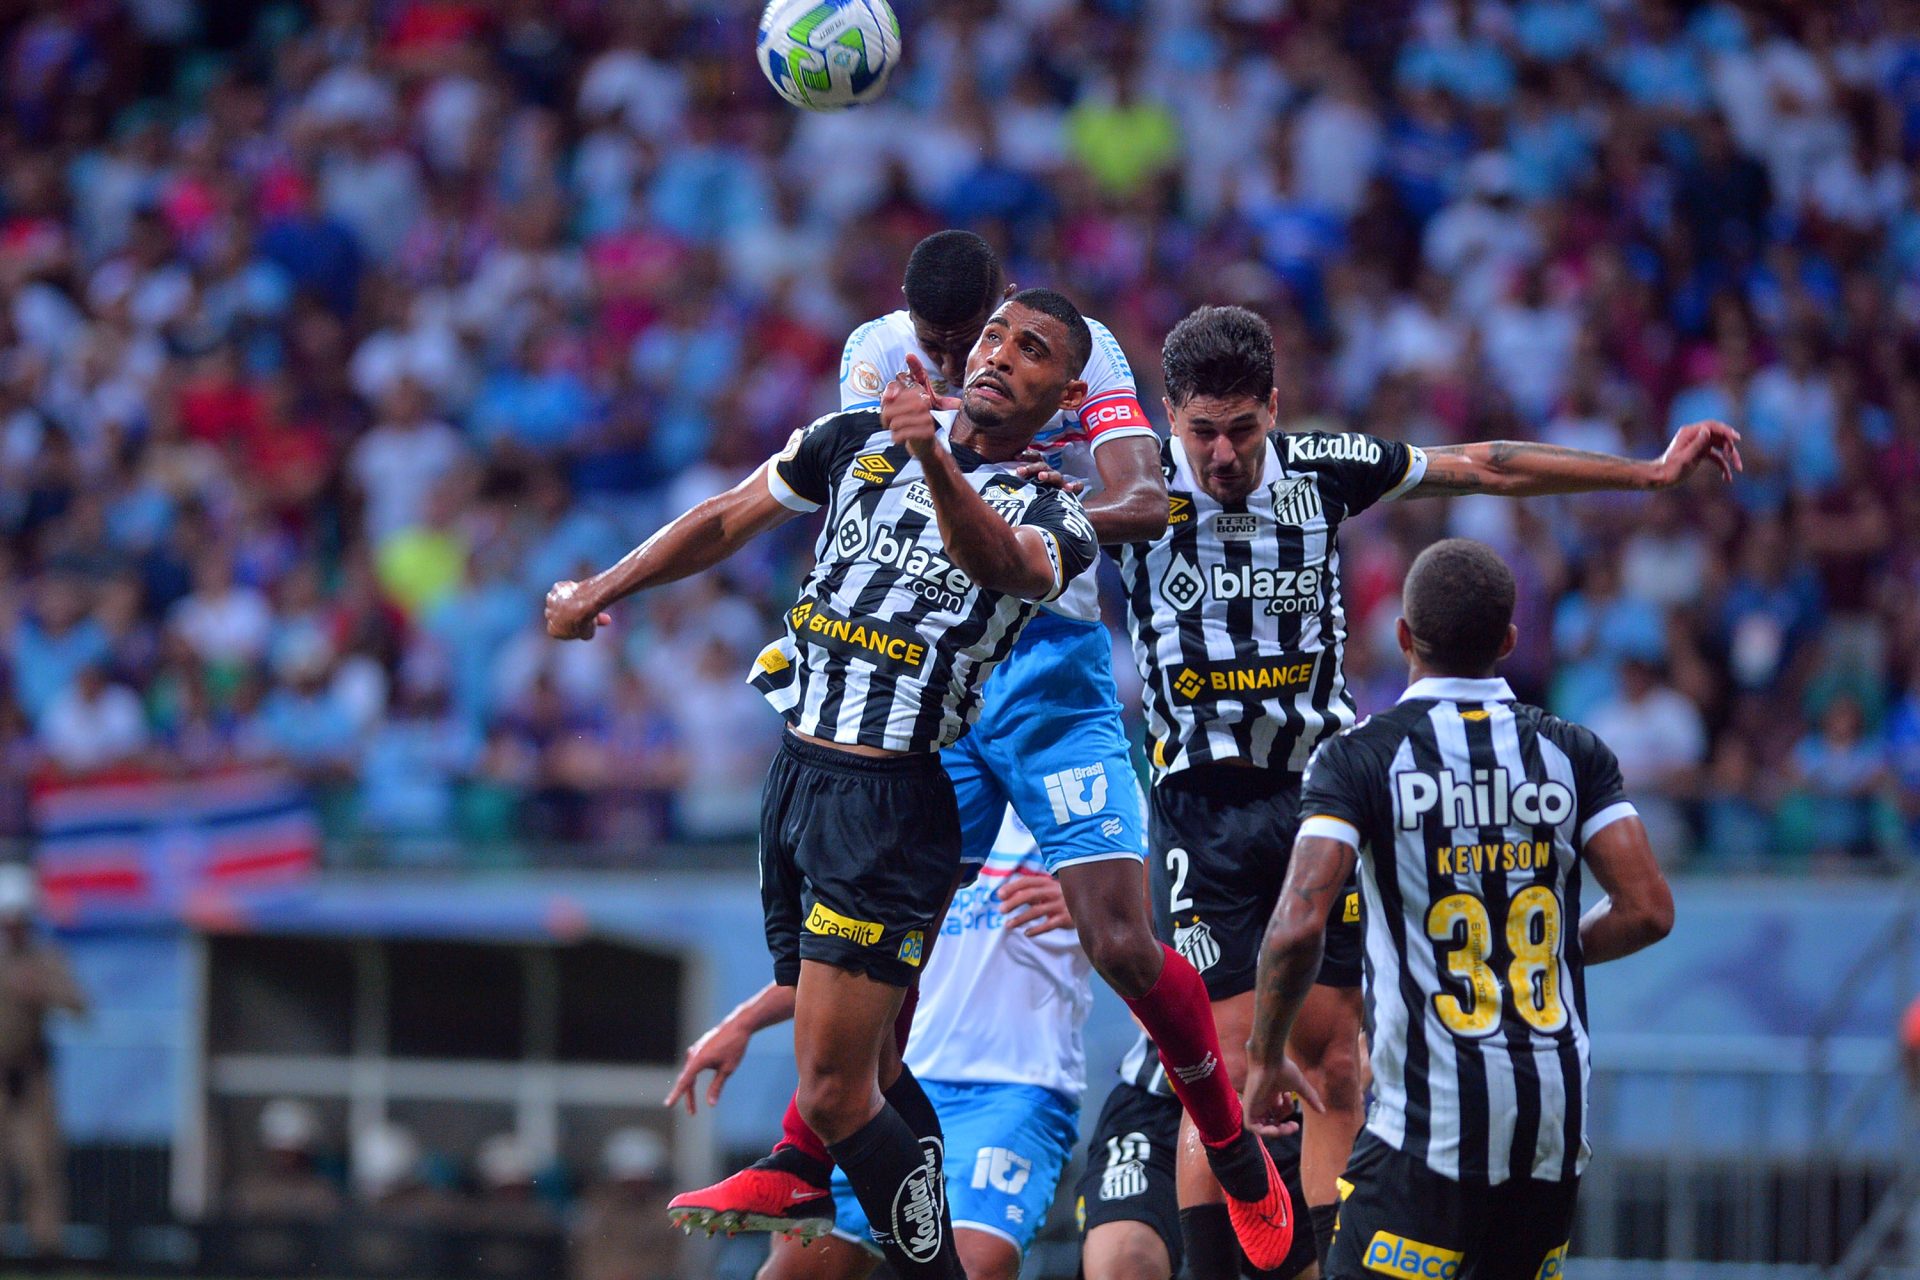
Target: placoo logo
{"points": [[828, 923], [1077, 793], [1398, 1256]]}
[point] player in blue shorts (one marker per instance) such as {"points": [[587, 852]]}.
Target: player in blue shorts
{"points": [[1049, 740], [996, 1045]]}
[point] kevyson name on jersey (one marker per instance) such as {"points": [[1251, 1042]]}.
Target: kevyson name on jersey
{"points": [[1486, 798]]}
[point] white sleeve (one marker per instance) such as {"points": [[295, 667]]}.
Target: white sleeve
{"points": [[863, 366], [1416, 472], [1112, 408]]}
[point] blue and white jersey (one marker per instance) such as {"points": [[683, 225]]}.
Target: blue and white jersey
{"points": [[878, 350], [998, 1007]]}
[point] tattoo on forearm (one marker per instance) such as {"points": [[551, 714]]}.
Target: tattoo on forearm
{"points": [[1313, 894]]}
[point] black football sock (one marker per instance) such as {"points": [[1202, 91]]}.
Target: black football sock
{"points": [[897, 1180], [797, 1162], [1240, 1167], [907, 1097], [1325, 1218], [1212, 1252]]}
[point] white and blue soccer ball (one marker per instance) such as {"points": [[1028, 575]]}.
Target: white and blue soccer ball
{"points": [[828, 55]]}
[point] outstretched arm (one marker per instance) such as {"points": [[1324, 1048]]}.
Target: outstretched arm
{"points": [[700, 539], [1523, 469]]}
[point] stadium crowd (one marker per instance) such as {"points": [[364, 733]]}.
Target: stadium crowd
{"points": [[330, 336]]}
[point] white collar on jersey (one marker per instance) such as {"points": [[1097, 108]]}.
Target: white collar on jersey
{"points": [[1459, 689]]}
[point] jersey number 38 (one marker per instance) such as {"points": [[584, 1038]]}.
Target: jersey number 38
{"points": [[1533, 924]]}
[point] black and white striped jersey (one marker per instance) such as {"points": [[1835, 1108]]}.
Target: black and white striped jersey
{"points": [[1141, 1067], [1469, 811], [1235, 610], [890, 642]]}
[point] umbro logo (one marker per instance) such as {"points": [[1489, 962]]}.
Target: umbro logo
{"points": [[1179, 508], [873, 468]]}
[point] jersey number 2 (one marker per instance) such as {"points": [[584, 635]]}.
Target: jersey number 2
{"points": [[1533, 977], [1177, 899]]}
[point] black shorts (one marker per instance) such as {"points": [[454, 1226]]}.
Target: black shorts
{"points": [[857, 856], [1130, 1175], [1402, 1218], [1131, 1159], [1222, 837]]}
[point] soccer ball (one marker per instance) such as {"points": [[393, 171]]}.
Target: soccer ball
{"points": [[828, 55]]}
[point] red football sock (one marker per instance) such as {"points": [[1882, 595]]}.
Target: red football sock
{"points": [[1179, 1017], [798, 1134]]}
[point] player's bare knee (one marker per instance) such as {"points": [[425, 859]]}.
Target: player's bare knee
{"points": [[1134, 1254], [1124, 953], [1335, 1075], [836, 1102], [986, 1257]]}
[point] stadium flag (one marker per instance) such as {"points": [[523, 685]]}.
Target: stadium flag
{"points": [[135, 846]]}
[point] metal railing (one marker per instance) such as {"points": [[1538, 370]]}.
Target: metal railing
{"points": [[1769, 1154]]}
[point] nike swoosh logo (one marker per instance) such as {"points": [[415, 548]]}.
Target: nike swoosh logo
{"points": [[797, 1196]]}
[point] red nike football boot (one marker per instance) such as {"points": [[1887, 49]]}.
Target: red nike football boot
{"points": [[767, 1196]]}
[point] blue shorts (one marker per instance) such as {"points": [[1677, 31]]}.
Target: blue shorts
{"points": [[1006, 1146], [1050, 742]]}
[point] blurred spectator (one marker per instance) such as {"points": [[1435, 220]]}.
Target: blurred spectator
{"points": [[508, 1201], [396, 465], [622, 1232], [1842, 779], [1661, 743], [1737, 817], [316, 370], [389, 1177], [34, 982], [285, 1185], [93, 724]]}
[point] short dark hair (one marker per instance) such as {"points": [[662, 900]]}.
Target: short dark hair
{"points": [[952, 277], [1218, 351], [1458, 603], [1061, 308]]}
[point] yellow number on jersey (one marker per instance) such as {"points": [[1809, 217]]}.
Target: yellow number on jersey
{"points": [[1468, 961], [1533, 977]]}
